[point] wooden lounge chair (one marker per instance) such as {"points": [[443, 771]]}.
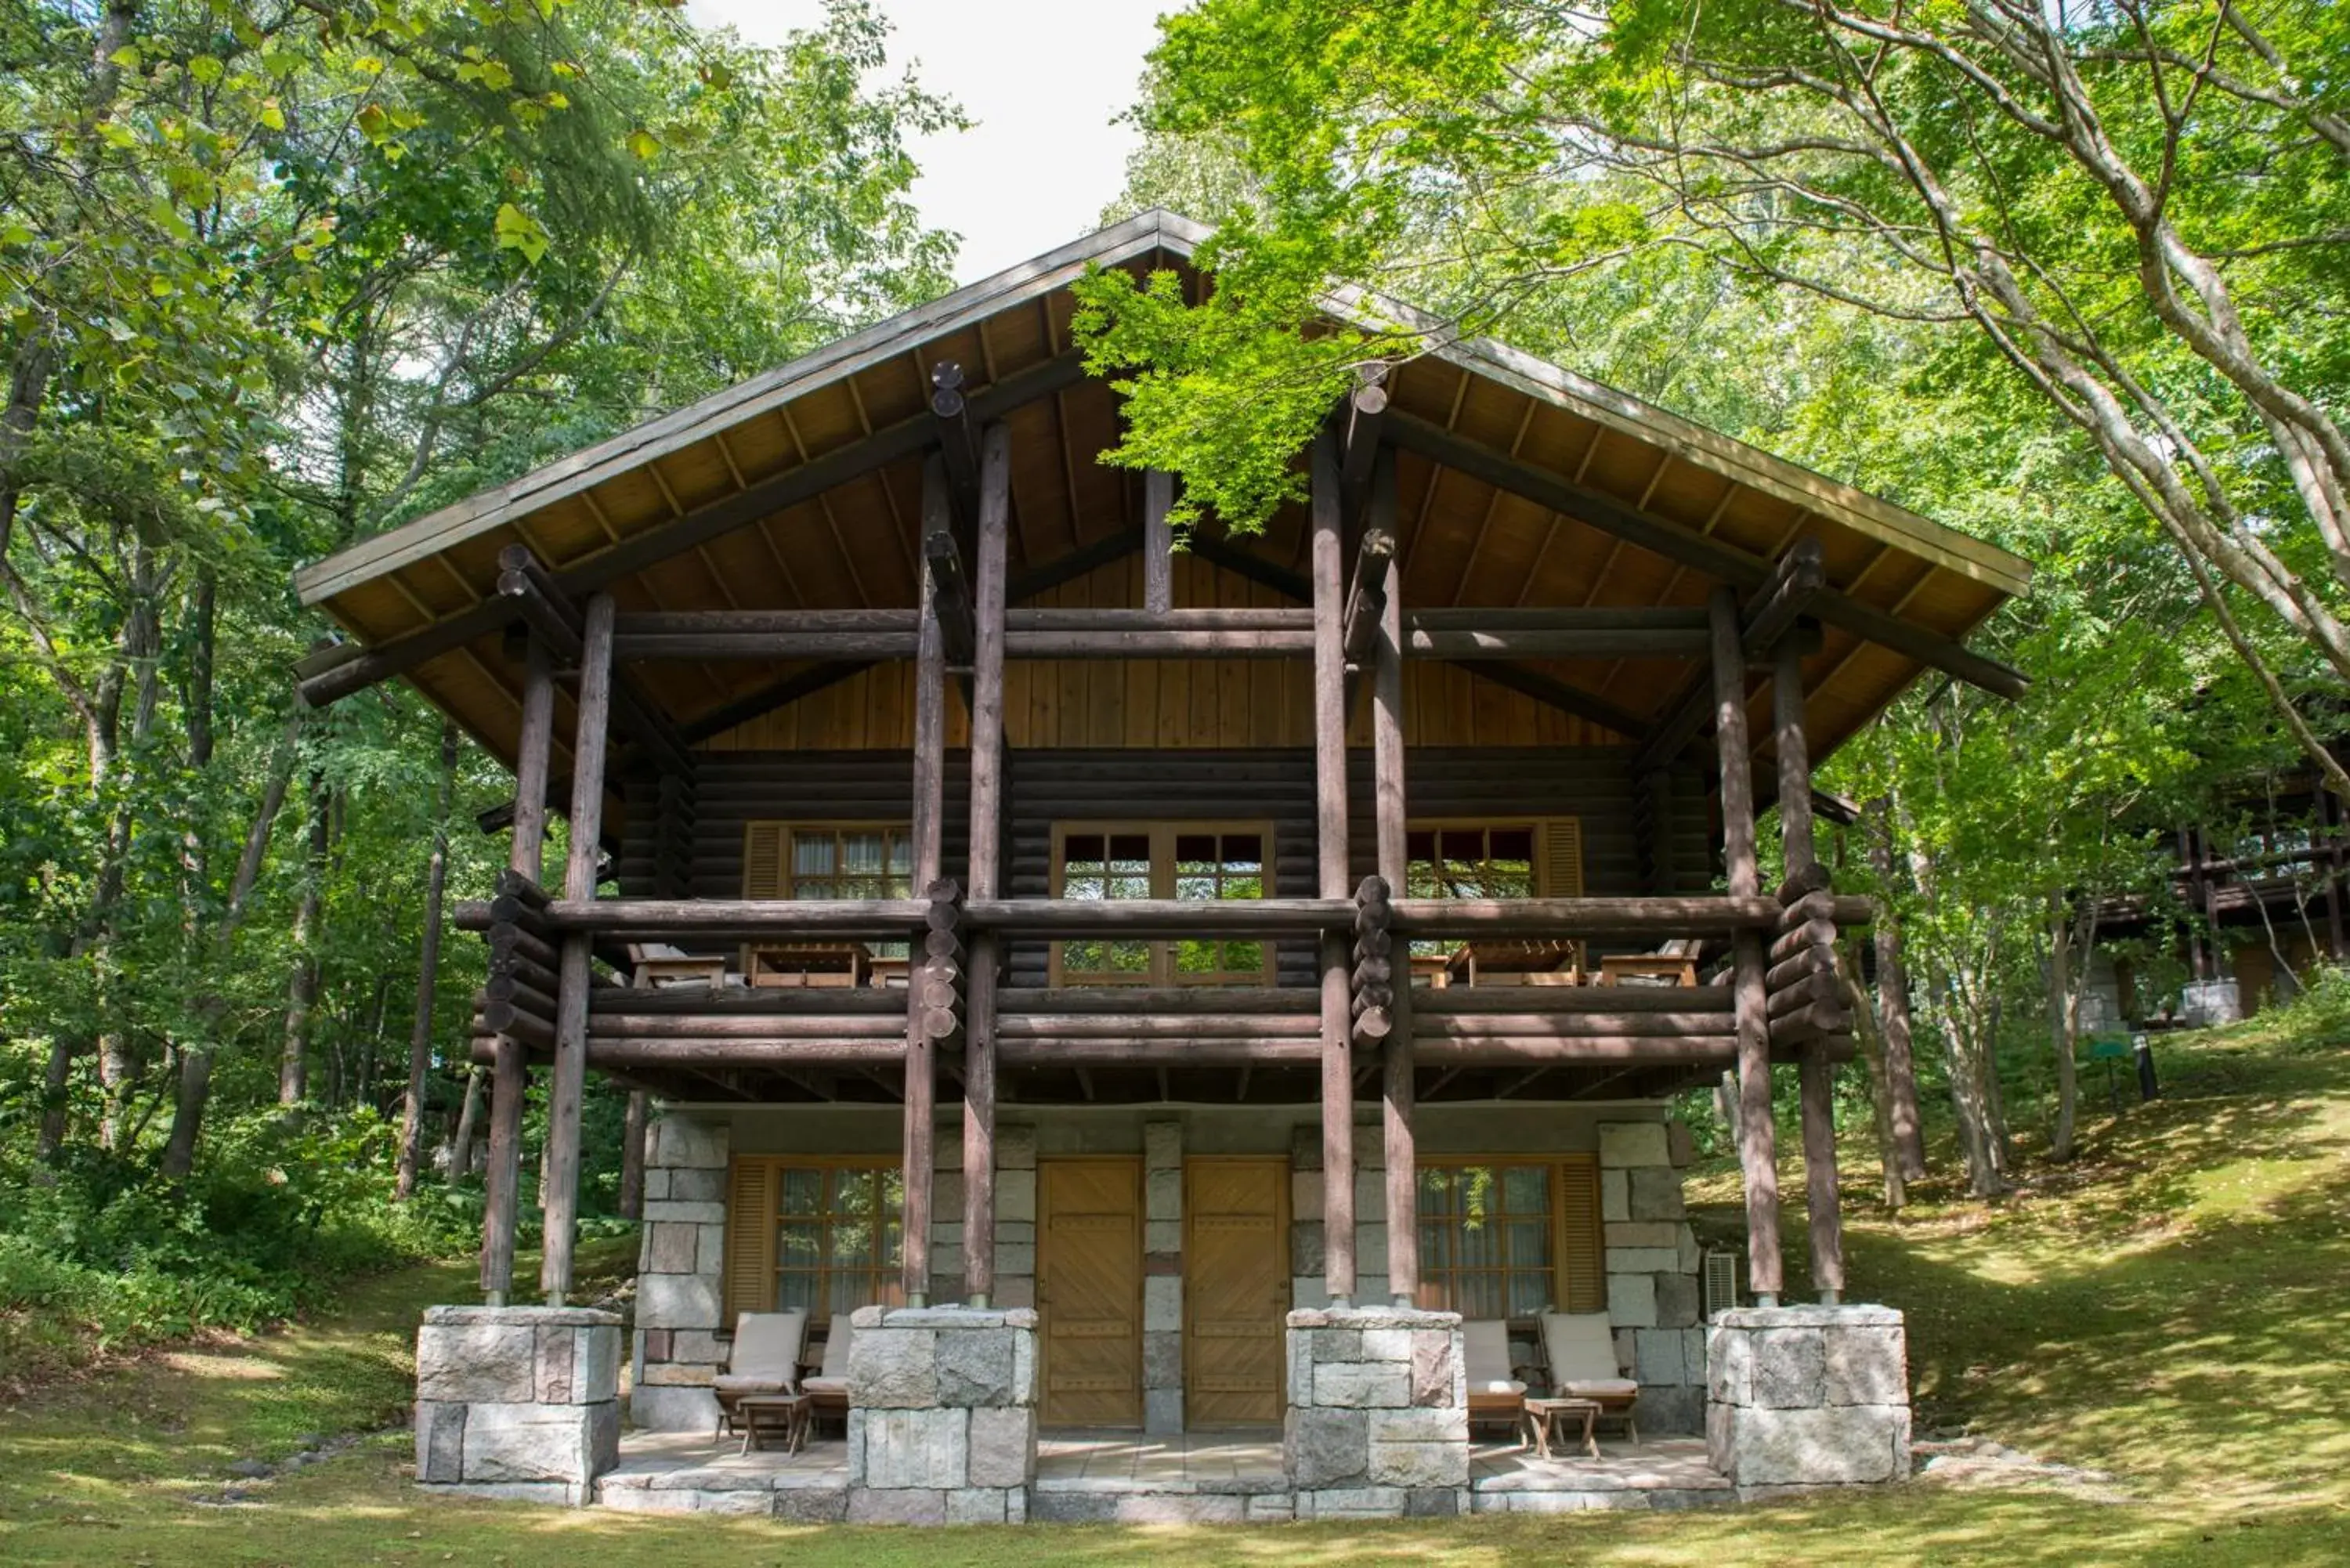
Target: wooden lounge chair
{"points": [[765, 1359], [1581, 1349], [1495, 1394], [829, 1388]]}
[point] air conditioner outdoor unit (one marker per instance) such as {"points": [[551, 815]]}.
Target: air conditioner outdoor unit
{"points": [[1720, 1281]]}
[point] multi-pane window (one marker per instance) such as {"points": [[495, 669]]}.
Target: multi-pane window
{"points": [[1198, 861], [855, 862], [1487, 1239], [1499, 858], [828, 860], [837, 1234], [1483, 860]]}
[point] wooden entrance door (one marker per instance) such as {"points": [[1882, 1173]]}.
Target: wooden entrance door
{"points": [[1090, 1291], [1235, 1291]]}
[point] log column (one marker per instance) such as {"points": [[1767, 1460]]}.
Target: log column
{"points": [[986, 866], [917, 1141], [1817, 1072], [1392, 816], [1157, 541], [1758, 1142], [1330, 817], [570, 1082], [510, 1077]]}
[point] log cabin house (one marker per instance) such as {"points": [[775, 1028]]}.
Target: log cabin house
{"points": [[1166, 935]]}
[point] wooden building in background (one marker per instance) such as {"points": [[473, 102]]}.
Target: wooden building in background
{"points": [[1008, 905]]}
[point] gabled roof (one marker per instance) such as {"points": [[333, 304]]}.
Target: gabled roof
{"points": [[800, 488]]}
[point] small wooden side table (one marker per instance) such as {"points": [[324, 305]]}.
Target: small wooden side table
{"points": [[1541, 1413], [768, 1414]]}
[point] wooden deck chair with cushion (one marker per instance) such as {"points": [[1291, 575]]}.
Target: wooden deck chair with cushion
{"points": [[1494, 1394], [1581, 1349], [765, 1359], [827, 1391]]}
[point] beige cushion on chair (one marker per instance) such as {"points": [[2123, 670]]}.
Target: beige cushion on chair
{"points": [[1581, 1347], [765, 1358], [1485, 1349], [832, 1377]]}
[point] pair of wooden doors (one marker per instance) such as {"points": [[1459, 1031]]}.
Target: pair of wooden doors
{"points": [[1090, 1286]]}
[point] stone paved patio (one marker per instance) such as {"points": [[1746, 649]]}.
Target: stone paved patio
{"points": [[1660, 1473], [1125, 1476], [691, 1473]]}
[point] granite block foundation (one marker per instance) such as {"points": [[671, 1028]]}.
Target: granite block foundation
{"points": [[1378, 1426], [1807, 1397], [519, 1402], [942, 1415]]}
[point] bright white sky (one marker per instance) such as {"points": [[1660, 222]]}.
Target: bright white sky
{"points": [[1041, 78]]}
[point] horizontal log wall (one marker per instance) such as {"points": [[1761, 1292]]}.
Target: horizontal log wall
{"points": [[1048, 786]]}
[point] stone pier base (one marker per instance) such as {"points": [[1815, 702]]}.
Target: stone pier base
{"points": [[519, 1402], [1804, 1397], [1379, 1414], [942, 1416]]}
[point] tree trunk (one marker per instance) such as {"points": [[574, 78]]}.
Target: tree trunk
{"points": [[195, 1055], [2064, 1025], [428, 974], [1870, 1039], [632, 1158], [469, 1119], [302, 991], [188, 1108], [1893, 1004]]}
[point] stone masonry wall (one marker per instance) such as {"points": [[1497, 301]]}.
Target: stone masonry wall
{"points": [[681, 1278], [518, 1402], [1162, 1282], [1305, 1253], [1015, 1218], [1653, 1299], [1802, 1397], [942, 1416], [1378, 1426]]}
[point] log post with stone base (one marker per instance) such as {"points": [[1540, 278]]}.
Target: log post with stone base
{"points": [[1379, 1414], [941, 1415], [1800, 1397], [517, 1402]]}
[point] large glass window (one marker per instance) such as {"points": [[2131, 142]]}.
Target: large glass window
{"points": [[1488, 1235], [838, 1231], [1200, 861]]}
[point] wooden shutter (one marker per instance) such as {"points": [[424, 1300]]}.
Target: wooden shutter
{"points": [[751, 1238], [1582, 1244], [764, 844], [1560, 873]]}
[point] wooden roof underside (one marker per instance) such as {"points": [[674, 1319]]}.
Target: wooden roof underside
{"points": [[854, 544]]}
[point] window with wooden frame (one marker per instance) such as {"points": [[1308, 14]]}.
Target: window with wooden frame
{"points": [[1496, 858], [823, 1233], [1206, 861], [830, 860], [1510, 1237]]}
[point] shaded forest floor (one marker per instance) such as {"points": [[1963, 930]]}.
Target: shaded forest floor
{"points": [[2168, 1310]]}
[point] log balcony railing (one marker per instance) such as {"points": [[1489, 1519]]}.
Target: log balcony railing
{"points": [[1197, 1026]]}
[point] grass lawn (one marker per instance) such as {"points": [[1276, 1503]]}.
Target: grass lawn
{"points": [[2173, 1308]]}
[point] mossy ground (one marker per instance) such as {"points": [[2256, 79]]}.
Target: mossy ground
{"points": [[2173, 1307]]}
